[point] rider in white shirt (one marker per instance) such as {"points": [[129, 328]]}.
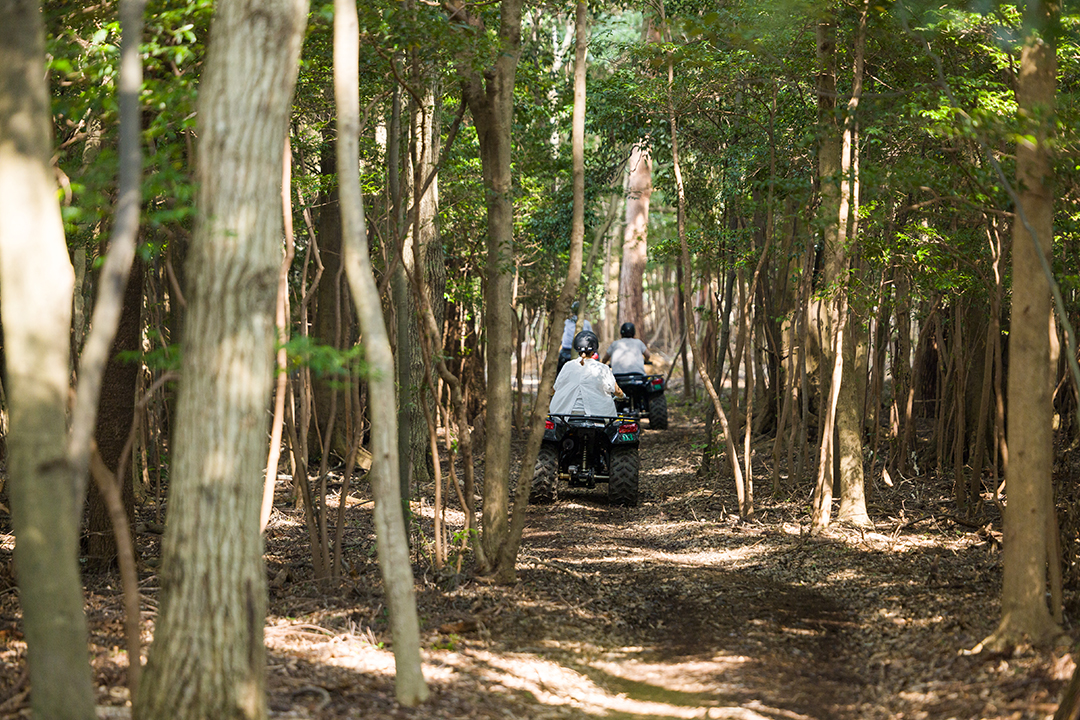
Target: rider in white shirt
{"points": [[585, 386], [627, 354]]}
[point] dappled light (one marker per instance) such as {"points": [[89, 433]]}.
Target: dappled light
{"points": [[281, 280]]}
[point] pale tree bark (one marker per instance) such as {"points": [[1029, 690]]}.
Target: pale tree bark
{"points": [[208, 657], [851, 398], [35, 273], [393, 547], [1025, 615], [635, 238], [490, 97], [281, 360], [505, 562]]}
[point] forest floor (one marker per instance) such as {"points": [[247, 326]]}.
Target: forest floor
{"points": [[673, 609]]}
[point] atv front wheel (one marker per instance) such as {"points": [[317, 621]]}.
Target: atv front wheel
{"points": [[623, 481], [545, 476], [658, 412]]}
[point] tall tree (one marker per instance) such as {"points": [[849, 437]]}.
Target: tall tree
{"points": [[420, 253], [1024, 610], [635, 237], [208, 656], [832, 314], [490, 96], [390, 531], [851, 397], [35, 273]]}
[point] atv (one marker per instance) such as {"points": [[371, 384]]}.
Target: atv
{"points": [[644, 398], [585, 450]]}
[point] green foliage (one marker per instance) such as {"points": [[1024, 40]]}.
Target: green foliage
{"points": [[162, 357], [325, 361], [83, 50], [450, 642]]}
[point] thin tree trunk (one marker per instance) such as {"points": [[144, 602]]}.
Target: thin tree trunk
{"points": [[852, 392], [115, 415], [491, 100], [799, 428], [281, 322], [902, 376], [393, 548], [993, 336], [829, 315]]}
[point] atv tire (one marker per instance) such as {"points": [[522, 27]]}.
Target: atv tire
{"points": [[658, 412], [623, 481], [545, 476]]}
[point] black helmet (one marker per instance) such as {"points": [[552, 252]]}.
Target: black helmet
{"points": [[627, 329], [586, 343]]}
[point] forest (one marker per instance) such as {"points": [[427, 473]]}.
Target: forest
{"points": [[284, 287]]}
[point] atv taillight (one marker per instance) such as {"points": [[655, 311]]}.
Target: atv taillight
{"points": [[629, 428], [549, 425], [658, 383]]}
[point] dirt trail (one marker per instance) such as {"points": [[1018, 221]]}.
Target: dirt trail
{"points": [[673, 609]]}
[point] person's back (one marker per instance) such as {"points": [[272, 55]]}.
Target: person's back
{"points": [[627, 354], [585, 386]]}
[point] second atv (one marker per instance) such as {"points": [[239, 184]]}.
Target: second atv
{"points": [[644, 398]]}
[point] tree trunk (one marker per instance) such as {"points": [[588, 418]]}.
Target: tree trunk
{"points": [[393, 548], [902, 375], [852, 396], [491, 100], [208, 656], [835, 263], [1024, 611], [427, 252], [635, 236], [116, 413], [35, 273], [328, 325]]}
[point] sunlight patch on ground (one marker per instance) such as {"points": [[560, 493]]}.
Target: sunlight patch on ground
{"points": [[667, 470], [694, 677], [353, 652], [641, 690]]}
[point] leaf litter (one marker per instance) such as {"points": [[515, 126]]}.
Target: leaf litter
{"points": [[673, 609]]}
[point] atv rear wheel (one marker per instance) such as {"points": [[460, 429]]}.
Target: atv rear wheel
{"points": [[658, 412], [545, 476], [623, 481]]}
